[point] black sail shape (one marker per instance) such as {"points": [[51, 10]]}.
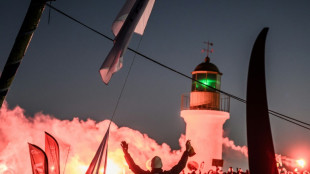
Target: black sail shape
{"points": [[260, 145]]}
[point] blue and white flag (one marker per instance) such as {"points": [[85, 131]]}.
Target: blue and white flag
{"points": [[123, 28]]}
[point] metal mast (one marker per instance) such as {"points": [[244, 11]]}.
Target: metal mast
{"points": [[20, 46]]}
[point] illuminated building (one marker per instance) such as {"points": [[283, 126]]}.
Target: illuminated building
{"points": [[204, 112]]}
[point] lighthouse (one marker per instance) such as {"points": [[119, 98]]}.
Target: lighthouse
{"points": [[205, 111]]}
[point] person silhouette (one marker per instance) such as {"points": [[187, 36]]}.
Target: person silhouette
{"points": [[156, 162]]}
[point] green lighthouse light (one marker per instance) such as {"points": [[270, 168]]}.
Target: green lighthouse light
{"points": [[206, 80]]}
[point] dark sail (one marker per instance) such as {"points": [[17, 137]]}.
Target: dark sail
{"points": [[260, 145]]}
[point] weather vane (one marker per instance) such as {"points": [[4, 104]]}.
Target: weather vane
{"points": [[208, 50]]}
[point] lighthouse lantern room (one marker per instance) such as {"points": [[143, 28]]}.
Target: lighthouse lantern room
{"points": [[207, 80]]}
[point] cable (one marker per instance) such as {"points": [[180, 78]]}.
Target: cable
{"points": [[116, 106], [142, 55], [122, 90], [66, 159], [274, 113], [282, 115], [49, 14], [107, 37], [291, 120]]}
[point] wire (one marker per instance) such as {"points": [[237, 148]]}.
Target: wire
{"points": [[288, 119], [66, 159], [142, 55], [61, 12], [281, 115], [49, 14], [122, 90], [274, 113]]}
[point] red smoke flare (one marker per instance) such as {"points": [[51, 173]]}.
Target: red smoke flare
{"points": [[81, 139]]}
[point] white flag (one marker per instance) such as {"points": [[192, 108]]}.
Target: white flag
{"points": [[122, 15], [114, 60]]}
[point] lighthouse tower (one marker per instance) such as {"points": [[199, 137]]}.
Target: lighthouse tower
{"points": [[204, 113]]}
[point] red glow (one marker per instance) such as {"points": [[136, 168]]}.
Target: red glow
{"points": [[82, 138]]}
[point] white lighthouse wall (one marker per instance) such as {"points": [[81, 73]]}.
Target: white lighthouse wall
{"points": [[205, 130]]}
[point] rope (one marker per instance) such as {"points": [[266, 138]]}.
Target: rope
{"points": [[117, 103], [107, 37], [49, 14], [276, 114], [66, 159], [122, 90]]}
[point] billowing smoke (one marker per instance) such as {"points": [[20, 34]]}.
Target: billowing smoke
{"points": [[230, 144], [234, 156], [283, 161], [79, 141]]}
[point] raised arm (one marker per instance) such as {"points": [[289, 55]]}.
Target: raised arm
{"points": [[132, 165], [182, 163]]}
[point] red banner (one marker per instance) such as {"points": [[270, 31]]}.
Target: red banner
{"points": [[52, 153], [38, 160]]}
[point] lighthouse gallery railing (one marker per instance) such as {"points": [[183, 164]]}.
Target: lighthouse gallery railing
{"points": [[223, 105]]}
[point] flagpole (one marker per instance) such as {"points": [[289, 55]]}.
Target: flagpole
{"points": [[20, 46]]}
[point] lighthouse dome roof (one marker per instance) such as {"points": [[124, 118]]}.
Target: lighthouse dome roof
{"points": [[207, 66]]}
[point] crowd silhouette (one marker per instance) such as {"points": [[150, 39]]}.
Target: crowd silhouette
{"points": [[230, 170]]}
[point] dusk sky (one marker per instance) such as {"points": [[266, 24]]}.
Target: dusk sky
{"points": [[59, 74]]}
